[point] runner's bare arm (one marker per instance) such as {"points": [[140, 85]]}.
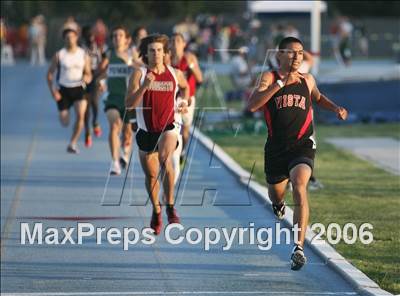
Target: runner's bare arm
{"points": [[87, 71], [50, 72], [195, 68], [263, 93], [184, 87], [50, 77], [323, 100], [102, 70], [136, 91], [97, 71]]}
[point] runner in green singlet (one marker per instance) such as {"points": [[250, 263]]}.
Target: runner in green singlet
{"points": [[117, 65]]}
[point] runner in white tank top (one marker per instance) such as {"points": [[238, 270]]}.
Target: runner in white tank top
{"points": [[71, 66], [73, 73]]}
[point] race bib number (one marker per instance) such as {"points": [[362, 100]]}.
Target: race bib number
{"points": [[119, 70]]}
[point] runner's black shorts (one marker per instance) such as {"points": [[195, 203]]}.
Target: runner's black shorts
{"points": [[69, 95], [148, 141], [277, 165], [91, 87], [128, 115]]}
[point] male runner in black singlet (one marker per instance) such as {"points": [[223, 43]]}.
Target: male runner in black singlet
{"points": [[285, 97]]}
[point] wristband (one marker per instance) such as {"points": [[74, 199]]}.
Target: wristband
{"points": [[280, 83]]}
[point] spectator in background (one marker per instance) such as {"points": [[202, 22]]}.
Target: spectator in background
{"points": [[252, 39], [3, 33], [240, 74], [37, 37], [362, 38], [291, 31], [345, 31], [183, 29], [278, 33], [204, 41], [222, 43], [341, 33], [7, 53], [335, 39], [212, 23], [193, 29]]}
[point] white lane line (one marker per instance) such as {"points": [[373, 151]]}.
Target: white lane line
{"points": [[179, 293], [10, 218]]}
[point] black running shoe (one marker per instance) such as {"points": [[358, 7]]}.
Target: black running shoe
{"points": [[73, 149], [279, 210], [123, 162], [297, 260]]}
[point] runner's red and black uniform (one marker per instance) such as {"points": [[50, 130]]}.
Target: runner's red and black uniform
{"points": [[288, 115]]}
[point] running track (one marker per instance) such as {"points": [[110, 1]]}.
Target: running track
{"points": [[40, 182]]}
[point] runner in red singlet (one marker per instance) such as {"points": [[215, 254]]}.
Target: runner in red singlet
{"points": [[186, 62], [152, 91]]}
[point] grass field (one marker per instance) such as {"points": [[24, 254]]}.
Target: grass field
{"points": [[355, 191], [208, 96]]}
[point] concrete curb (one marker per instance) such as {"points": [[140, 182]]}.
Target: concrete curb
{"points": [[363, 284]]}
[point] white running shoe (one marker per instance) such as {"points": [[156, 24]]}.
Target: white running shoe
{"points": [[297, 260], [115, 168]]}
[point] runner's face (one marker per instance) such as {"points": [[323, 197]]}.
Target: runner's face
{"points": [[142, 34], [291, 57], [119, 38], [155, 53], [177, 44], [71, 39]]}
